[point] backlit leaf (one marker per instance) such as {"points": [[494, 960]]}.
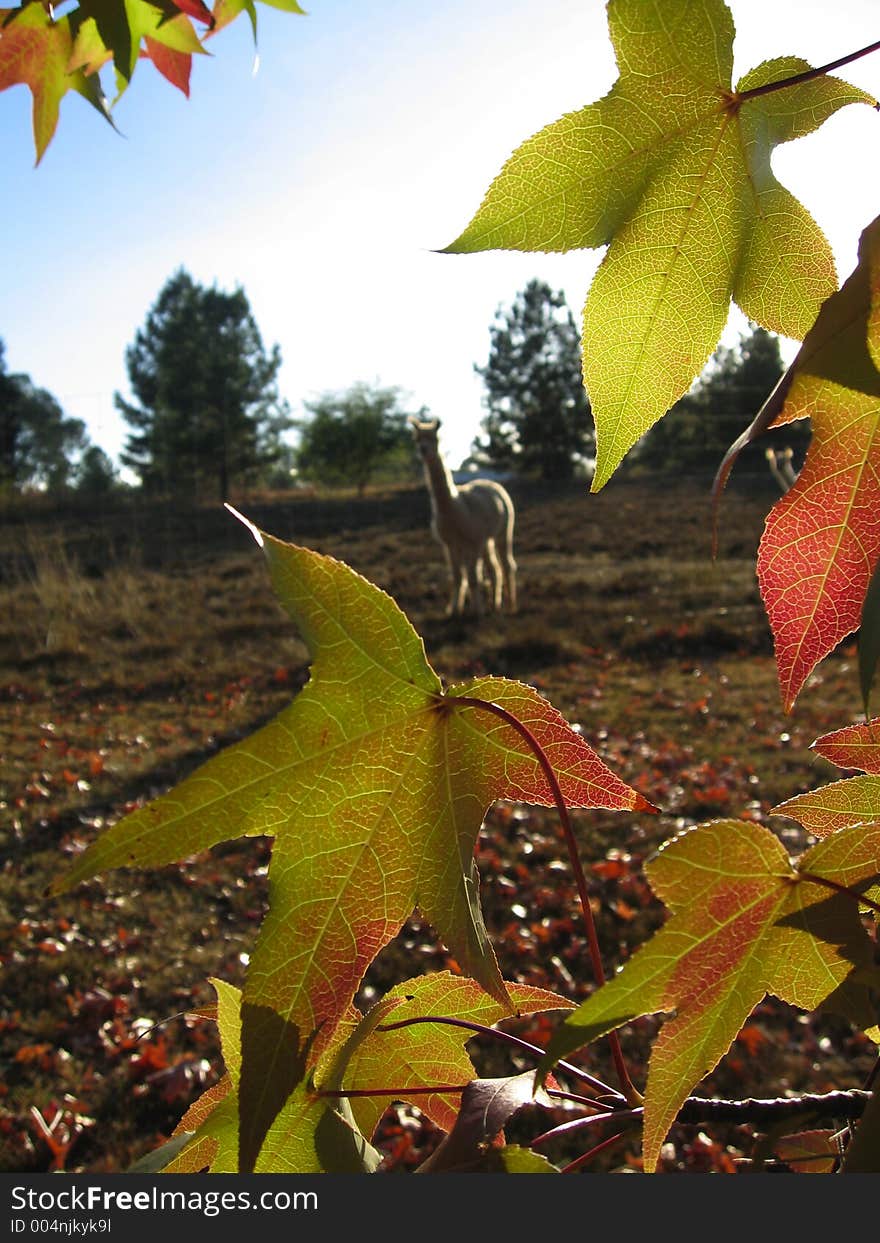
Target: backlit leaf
{"points": [[35, 51], [173, 65], [511, 1159], [821, 542], [672, 168], [54, 55], [486, 1105], [374, 783], [124, 27], [745, 922], [311, 1134], [428, 1053], [226, 11], [854, 746], [836, 806], [808, 1152]]}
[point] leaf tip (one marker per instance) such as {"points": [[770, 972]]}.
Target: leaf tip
{"points": [[254, 530], [640, 803]]}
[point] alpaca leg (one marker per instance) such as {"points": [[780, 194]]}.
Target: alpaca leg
{"points": [[462, 585], [475, 579], [462, 592], [505, 548], [495, 575], [457, 585]]}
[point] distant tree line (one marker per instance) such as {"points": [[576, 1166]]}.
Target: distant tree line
{"points": [[205, 414], [537, 420], [41, 448]]}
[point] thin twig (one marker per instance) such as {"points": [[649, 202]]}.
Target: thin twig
{"points": [[842, 1104], [578, 1124], [574, 1166]]}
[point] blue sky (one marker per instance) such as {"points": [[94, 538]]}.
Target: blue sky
{"points": [[323, 183]]}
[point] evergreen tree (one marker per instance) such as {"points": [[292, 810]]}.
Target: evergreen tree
{"points": [[37, 440], [95, 474], [700, 427], [537, 420], [206, 409]]}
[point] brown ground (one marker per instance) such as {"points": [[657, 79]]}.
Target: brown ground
{"points": [[135, 641]]}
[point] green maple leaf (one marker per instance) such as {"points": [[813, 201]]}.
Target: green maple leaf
{"points": [[122, 25], [840, 805], [374, 783], [226, 11], [745, 922], [672, 168], [360, 1056], [426, 1053], [309, 1135]]}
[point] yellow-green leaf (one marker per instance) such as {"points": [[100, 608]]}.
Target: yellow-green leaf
{"points": [[745, 922], [310, 1135], [374, 783], [35, 50], [836, 806], [426, 1053], [672, 168]]}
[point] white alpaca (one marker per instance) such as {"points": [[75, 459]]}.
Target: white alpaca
{"points": [[474, 523], [781, 467]]}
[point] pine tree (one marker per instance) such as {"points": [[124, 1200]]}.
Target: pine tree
{"points": [[206, 409], [537, 420], [721, 403]]}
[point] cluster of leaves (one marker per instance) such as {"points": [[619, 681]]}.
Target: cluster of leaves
{"points": [[52, 55], [374, 782]]}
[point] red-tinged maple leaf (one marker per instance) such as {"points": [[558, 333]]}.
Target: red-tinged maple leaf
{"points": [[853, 746], [745, 922], [424, 1053], [35, 51], [821, 541], [374, 783], [839, 805], [173, 65], [193, 8]]}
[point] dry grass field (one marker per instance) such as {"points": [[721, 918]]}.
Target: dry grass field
{"points": [[137, 640]]}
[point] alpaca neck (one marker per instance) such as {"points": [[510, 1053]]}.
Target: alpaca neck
{"points": [[443, 490]]}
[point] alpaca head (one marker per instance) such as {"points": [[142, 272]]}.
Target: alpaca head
{"points": [[425, 433]]}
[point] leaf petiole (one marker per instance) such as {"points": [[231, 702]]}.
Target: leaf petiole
{"points": [[836, 887], [630, 1092], [807, 76], [505, 1038]]}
